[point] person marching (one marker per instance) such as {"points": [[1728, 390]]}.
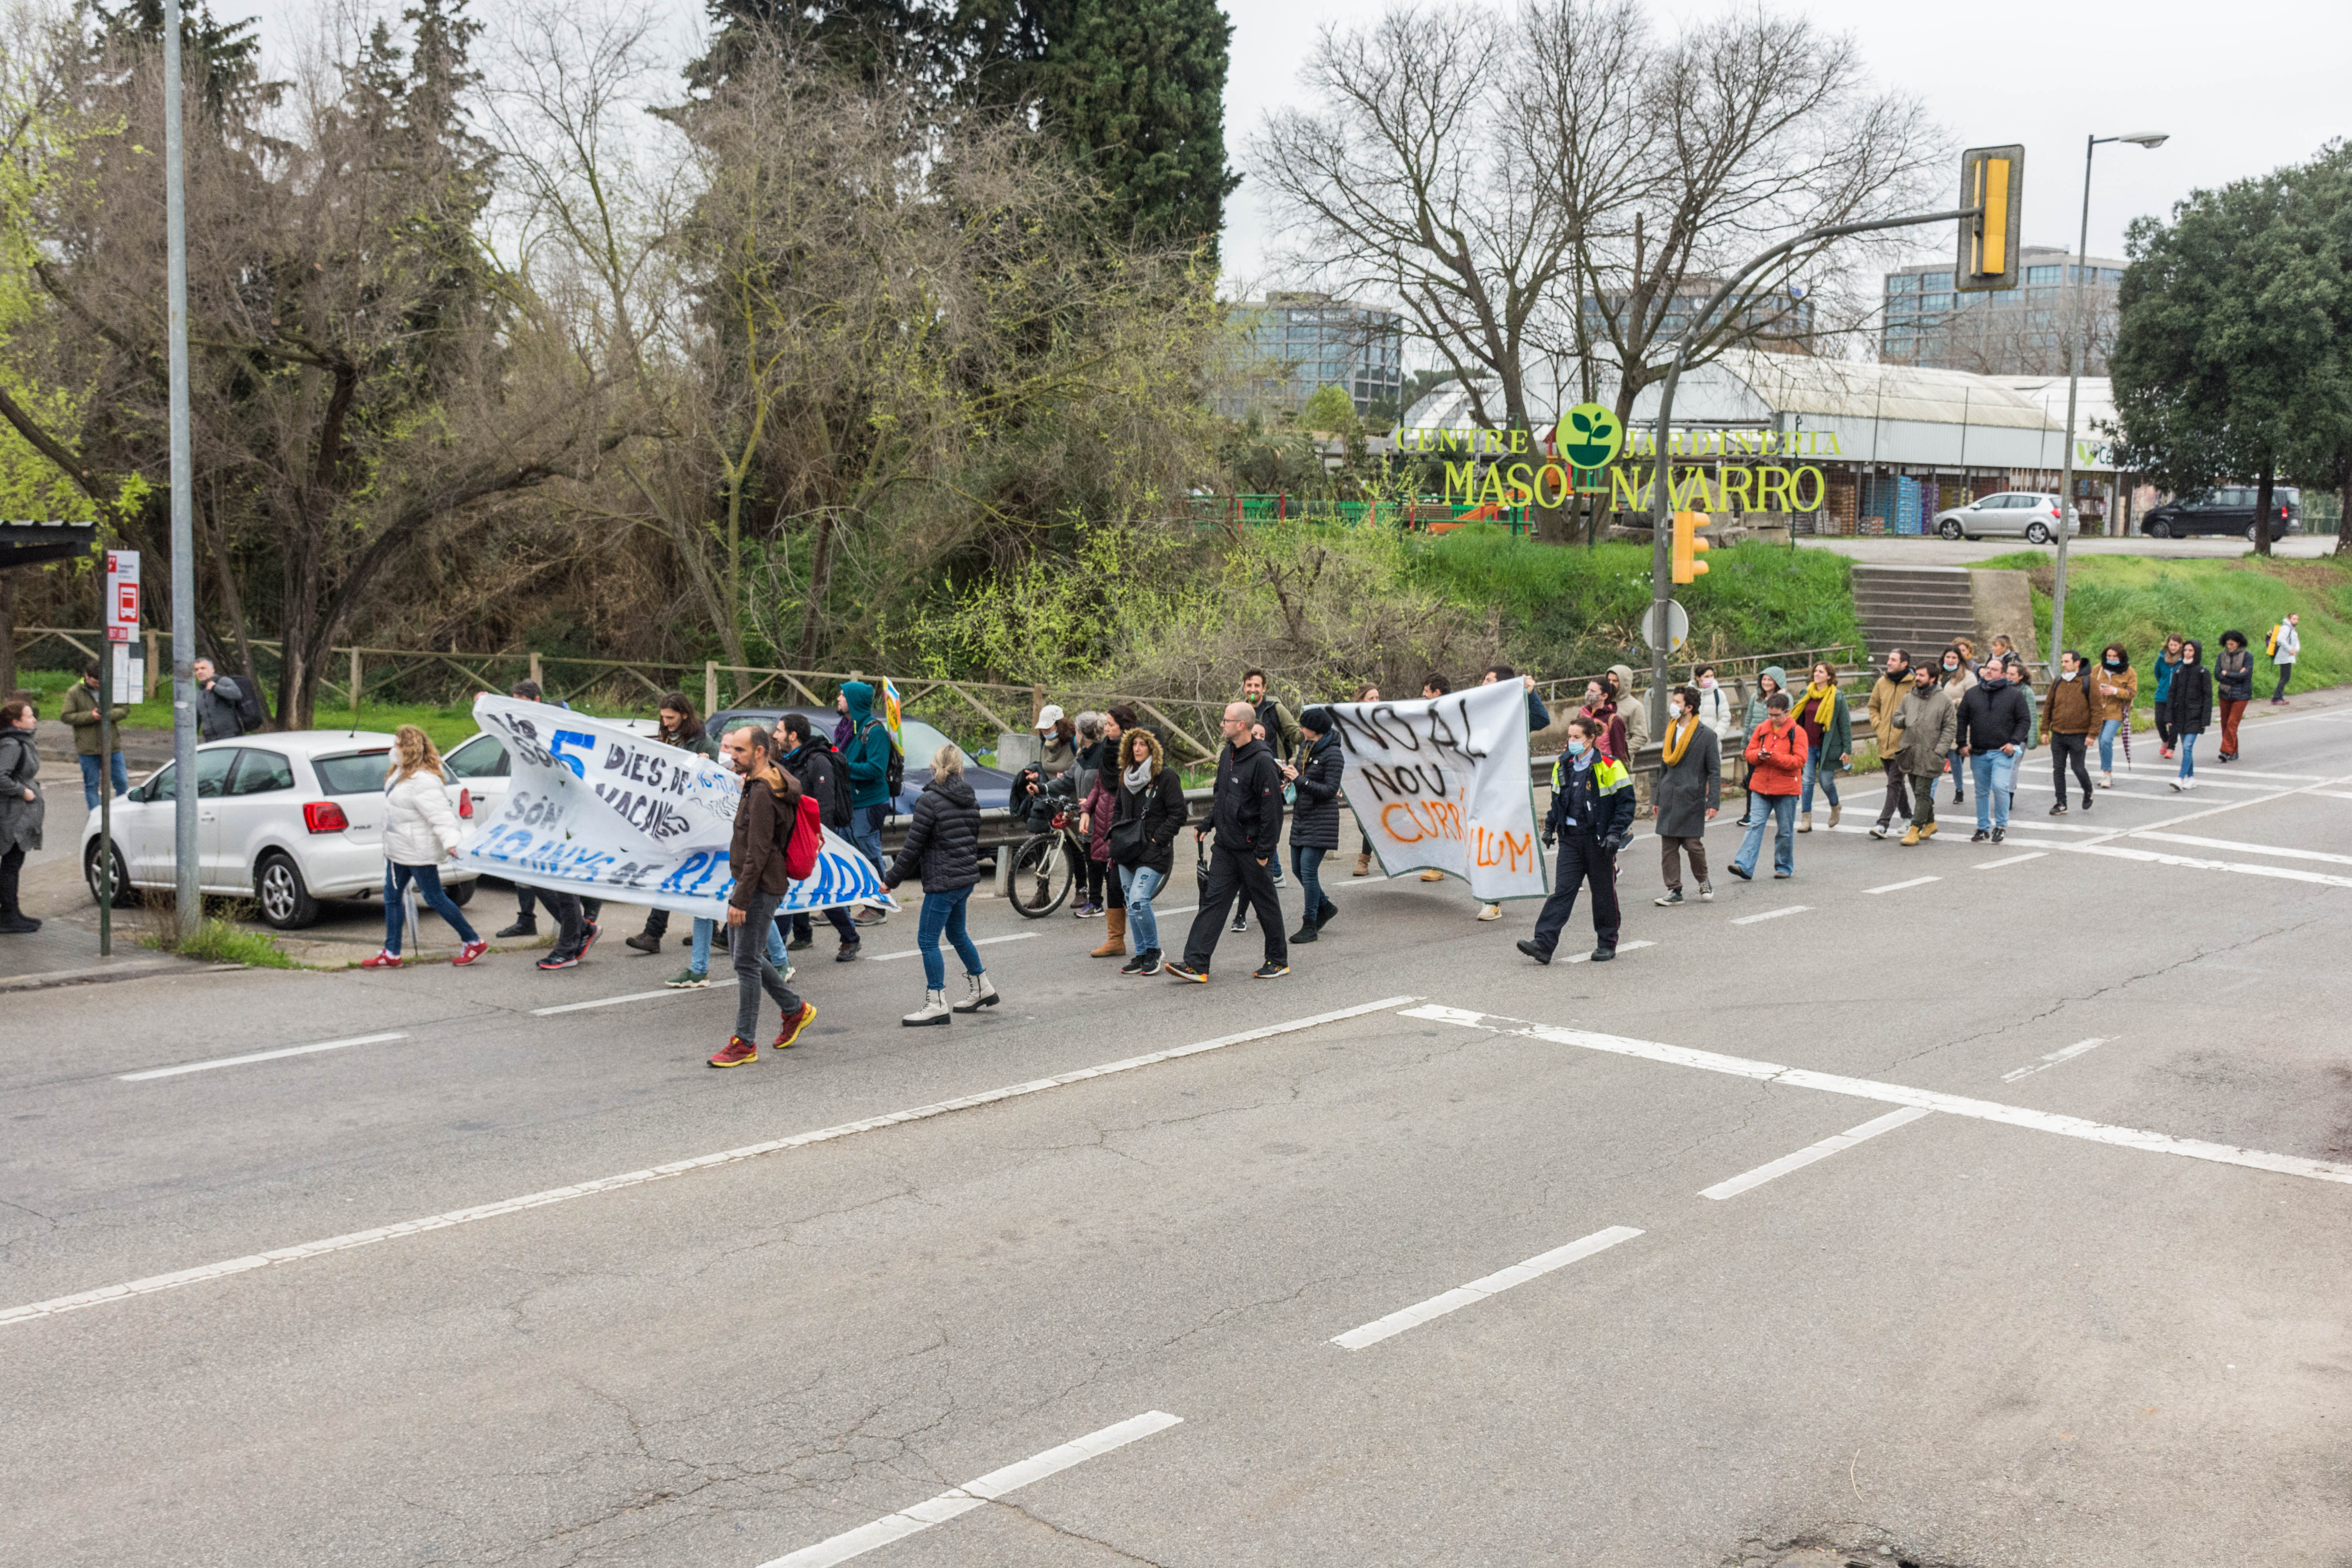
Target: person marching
{"points": [[1364, 844], [1688, 794], [678, 727], [1828, 725], [766, 814], [1143, 828], [2189, 708], [420, 832], [1770, 681], [1776, 760], [2286, 646], [1315, 822], [942, 848], [2068, 720], [1926, 726], [1959, 679], [2167, 662], [2115, 685], [1591, 818], [1995, 722], [2233, 687], [1246, 815], [1887, 696]]}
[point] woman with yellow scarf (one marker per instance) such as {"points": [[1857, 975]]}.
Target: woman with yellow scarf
{"points": [[1821, 713]]}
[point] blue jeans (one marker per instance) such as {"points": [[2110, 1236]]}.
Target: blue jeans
{"points": [[1828, 776], [1778, 811], [1308, 864], [1138, 883], [944, 912], [2186, 741], [1996, 776], [2107, 744], [700, 962], [92, 773], [866, 832], [428, 888]]}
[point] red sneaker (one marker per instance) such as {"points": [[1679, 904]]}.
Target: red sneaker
{"points": [[740, 1052], [793, 1026], [381, 960], [470, 952]]}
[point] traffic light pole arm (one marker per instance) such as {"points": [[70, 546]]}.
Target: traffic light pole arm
{"points": [[1662, 467]]}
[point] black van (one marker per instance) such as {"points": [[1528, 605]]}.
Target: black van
{"points": [[2229, 509]]}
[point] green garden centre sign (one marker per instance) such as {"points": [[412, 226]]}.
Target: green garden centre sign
{"points": [[1592, 438]]}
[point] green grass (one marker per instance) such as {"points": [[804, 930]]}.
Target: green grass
{"points": [[217, 941], [2137, 600], [1571, 610]]}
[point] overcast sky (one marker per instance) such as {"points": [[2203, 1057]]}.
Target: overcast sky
{"points": [[2242, 88]]}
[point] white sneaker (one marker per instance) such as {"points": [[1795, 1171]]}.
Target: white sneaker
{"points": [[1490, 912]]}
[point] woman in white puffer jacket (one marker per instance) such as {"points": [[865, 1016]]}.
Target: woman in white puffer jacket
{"points": [[420, 831]]}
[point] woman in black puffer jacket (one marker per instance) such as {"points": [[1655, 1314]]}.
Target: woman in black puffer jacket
{"points": [[942, 846], [1315, 821], [1146, 817]]}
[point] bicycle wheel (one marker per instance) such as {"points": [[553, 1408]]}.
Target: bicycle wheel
{"points": [[1042, 874]]}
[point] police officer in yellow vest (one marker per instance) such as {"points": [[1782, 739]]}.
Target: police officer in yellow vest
{"points": [[1591, 818]]}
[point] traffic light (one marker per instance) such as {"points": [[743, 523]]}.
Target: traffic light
{"points": [[1992, 185], [1689, 546]]}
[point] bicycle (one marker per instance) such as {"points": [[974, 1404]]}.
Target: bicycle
{"points": [[1045, 866]]}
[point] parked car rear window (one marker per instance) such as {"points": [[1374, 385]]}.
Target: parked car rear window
{"points": [[353, 772]]}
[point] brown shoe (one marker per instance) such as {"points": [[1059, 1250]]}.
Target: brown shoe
{"points": [[1114, 942], [740, 1052], [1363, 866]]}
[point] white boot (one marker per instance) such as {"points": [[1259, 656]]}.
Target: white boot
{"points": [[2107, 781], [1804, 822], [979, 992], [934, 1010]]}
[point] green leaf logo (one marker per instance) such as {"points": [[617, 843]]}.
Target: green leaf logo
{"points": [[1597, 436]]}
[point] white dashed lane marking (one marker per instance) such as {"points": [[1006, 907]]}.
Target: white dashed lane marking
{"points": [[1493, 1284]]}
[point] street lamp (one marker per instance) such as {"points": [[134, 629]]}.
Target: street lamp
{"points": [[2076, 346]]}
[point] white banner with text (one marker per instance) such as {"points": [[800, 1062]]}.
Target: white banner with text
{"points": [[596, 810], [1442, 785]]}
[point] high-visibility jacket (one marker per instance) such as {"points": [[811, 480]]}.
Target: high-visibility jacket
{"points": [[1597, 799]]}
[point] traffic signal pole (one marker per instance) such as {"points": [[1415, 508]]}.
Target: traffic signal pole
{"points": [[1661, 486], [183, 490]]}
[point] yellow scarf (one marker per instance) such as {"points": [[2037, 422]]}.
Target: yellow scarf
{"points": [[1678, 735], [1826, 696]]}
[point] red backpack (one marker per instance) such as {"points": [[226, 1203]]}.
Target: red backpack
{"points": [[807, 838]]}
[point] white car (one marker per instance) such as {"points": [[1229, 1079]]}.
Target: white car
{"points": [[2030, 513], [479, 764], [284, 819]]}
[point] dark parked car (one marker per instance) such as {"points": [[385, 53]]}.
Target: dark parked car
{"points": [[2228, 509], [993, 786]]}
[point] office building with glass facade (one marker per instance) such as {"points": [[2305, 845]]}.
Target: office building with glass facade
{"points": [[2011, 331], [1301, 342]]}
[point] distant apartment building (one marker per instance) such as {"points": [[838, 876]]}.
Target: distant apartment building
{"points": [[2012, 332], [1772, 322], [1297, 343]]}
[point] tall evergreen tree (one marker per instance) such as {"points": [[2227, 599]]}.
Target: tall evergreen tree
{"points": [[877, 42]]}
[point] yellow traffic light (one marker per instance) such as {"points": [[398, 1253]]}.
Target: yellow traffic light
{"points": [[1992, 187], [1689, 546]]}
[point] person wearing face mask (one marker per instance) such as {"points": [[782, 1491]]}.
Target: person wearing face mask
{"points": [[1714, 708], [1591, 818], [1689, 792], [1887, 696], [2188, 707], [1776, 761], [2113, 686], [1771, 682], [2233, 687], [1925, 726], [1993, 726], [2066, 721], [2166, 663], [1959, 675]]}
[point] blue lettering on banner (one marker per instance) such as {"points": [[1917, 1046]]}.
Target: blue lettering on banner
{"points": [[571, 737]]}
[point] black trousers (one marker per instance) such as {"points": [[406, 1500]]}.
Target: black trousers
{"points": [[2287, 673], [2074, 750], [842, 926], [1581, 859], [11, 865], [572, 914], [1231, 872], [1898, 794]]}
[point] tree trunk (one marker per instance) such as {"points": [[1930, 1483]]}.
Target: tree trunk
{"points": [[2263, 491], [232, 603], [2343, 515], [7, 636], [820, 569]]}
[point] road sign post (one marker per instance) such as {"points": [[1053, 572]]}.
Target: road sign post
{"points": [[1676, 624], [121, 618]]}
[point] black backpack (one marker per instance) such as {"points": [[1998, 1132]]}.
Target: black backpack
{"points": [[894, 772], [836, 809], [252, 714]]}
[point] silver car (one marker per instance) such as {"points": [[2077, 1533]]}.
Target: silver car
{"points": [[2031, 515]]}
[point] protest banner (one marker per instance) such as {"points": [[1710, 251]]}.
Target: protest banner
{"points": [[598, 811], [1442, 785]]}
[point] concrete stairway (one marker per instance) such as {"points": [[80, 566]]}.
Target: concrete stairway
{"points": [[1921, 608]]}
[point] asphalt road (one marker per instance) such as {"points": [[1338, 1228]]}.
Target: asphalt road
{"points": [[1919, 552], [2073, 1296]]}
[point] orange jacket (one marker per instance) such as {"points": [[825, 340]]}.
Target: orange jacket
{"points": [[1776, 754]]}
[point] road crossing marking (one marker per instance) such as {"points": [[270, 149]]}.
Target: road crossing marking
{"points": [[1898, 886], [2243, 868], [172, 1281], [1748, 1180], [2053, 1059], [978, 942], [963, 1499], [2243, 847], [2019, 860], [255, 1056], [1771, 914], [604, 1002], [1891, 1094], [1493, 1284]]}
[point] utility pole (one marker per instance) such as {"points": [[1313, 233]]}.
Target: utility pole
{"points": [[183, 485], [2077, 344]]}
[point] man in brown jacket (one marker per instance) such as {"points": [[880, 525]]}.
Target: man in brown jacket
{"points": [[82, 711], [764, 816], [2068, 716], [1885, 698]]}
